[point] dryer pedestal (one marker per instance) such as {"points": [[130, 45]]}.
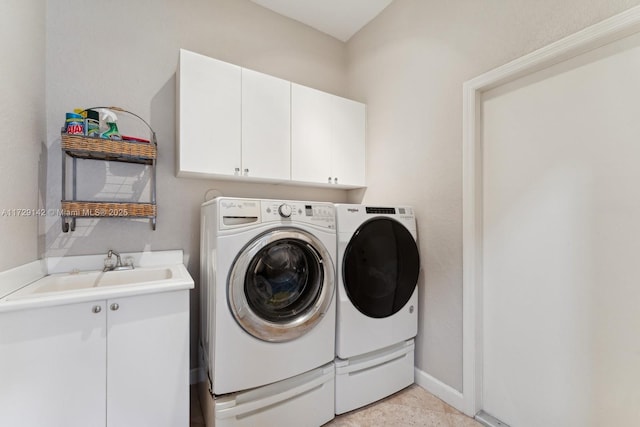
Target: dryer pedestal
{"points": [[365, 379]]}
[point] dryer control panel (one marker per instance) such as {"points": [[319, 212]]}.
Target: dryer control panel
{"points": [[351, 216], [319, 214]]}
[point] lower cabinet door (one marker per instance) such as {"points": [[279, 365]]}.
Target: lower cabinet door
{"points": [[52, 366], [148, 360]]}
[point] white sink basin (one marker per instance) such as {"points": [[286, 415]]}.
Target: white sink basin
{"points": [[92, 281]]}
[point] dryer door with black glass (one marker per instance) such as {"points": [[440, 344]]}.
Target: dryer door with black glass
{"points": [[380, 267], [281, 284]]}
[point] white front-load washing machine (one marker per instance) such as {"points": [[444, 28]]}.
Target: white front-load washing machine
{"points": [[377, 302], [268, 310]]}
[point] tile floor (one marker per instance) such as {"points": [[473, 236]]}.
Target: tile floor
{"points": [[412, 406]]}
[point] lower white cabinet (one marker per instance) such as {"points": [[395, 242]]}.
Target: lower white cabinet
{"points": [[148, 360], [53, 367], [120, 362]]}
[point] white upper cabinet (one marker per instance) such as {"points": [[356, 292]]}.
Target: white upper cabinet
{"points": [[209, 117], [348, 148], [266, 126], [310, 135], [327, 138], [235, 123]]}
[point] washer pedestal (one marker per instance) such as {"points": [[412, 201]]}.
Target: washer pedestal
{"points": [[305, 400]]}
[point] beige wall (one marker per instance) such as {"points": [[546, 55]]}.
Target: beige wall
{"points": [[129, 60], [408, 65], [22, 112]]}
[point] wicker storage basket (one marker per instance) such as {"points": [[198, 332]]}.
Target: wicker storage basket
{"points": [[109, 149], [78, 208], [86, 144]]}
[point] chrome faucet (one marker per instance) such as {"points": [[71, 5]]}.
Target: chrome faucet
{"points": [[109, 266]]}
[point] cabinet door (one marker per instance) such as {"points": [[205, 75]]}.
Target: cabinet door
{"points": [[148, 360], [53, 367], [266, 126], [208, 119], [310, 134], [348, 142]]}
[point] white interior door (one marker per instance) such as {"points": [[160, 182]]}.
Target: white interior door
{"points": [[561, 243]]}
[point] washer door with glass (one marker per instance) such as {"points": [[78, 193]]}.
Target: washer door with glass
{"points": [[380, 267], [281, 284]]}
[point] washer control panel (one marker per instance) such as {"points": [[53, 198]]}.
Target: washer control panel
{"points": [[316, 213]]}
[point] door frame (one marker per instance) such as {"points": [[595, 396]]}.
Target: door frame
{"points": [[612, 29]]}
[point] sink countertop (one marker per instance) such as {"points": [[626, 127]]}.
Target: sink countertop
{"points": [[161, 273]]}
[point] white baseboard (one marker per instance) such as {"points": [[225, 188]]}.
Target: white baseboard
{"points": [[441, 390], [196, 375], [488, 420]]}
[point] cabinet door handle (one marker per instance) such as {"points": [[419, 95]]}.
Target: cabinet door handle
{"points": [[335, 180], [246, 171], [96, 309], [114, 306], [329, 180], [237, 171]]}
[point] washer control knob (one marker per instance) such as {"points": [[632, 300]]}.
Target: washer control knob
{"points": [[284, 210]]}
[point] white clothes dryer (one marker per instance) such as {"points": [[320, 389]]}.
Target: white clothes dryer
{"points": [[267, 290], [377, 302]]}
